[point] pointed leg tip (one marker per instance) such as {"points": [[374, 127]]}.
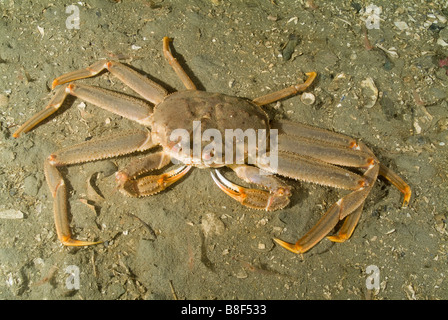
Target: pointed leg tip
{"points": [[289, 246], [69, 242], [166, 43], [407, 197], [55, 83], [338, 238]]}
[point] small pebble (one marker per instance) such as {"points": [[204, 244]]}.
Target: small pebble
{"points": [[401, 25], [11, 214], [3, 100], [443, 34], [31, 186], [241, 274], [212, 225], [442, 42]]}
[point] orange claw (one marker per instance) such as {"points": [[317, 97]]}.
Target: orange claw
{"points": [[229, 188], [286, 92], [398, 182], [68, 241], [407, 195], [88, 72], [311, 76], [54, 84], [295, 248], [252, 198]]}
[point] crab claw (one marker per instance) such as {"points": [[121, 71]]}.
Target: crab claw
{"points": [[148, 185], [252, 198]]}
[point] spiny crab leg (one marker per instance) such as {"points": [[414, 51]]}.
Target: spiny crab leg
{"points": [[51, 108], [312, 170], [183, 76], [327, 152], [253, 198], [112, 146], [289, 91], [146, 88], [349, 204], [297, 142], [142, 165], [58, 190], [121, 104], [329, 138]]}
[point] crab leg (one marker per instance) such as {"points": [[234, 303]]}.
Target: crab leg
{"points": [[398, 182], [307, 169], [188, 83], [328, 138], [130, 184], [329, 153], [51, 108], [277, 196], [146, 88], [281, 94], [313, 133], [349, 225], [118, 103], [112, 146], [349, 204]]}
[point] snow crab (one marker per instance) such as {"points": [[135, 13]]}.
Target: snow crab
{"points": [[302, 152]]}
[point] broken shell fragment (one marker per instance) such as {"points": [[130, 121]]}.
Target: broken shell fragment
{"points": [[92, 193], [308, 98], [339, 81], [11, 214], [392, 51], [370, 92]]}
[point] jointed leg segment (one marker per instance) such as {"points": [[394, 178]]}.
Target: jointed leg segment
{"points": [[112, 146], [290, 91], [146, 88], [297, 138], [343, 208], [353, 149], [121, 104], [183, 76]]}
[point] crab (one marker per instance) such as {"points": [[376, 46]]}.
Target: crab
{"points": [[302, 152]]}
